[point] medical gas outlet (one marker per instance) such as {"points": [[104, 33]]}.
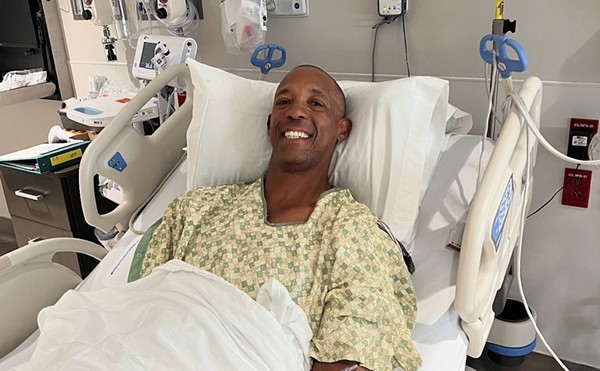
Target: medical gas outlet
{"points": [[391, 8], [171, 11], [296, 8], [100, 13]]}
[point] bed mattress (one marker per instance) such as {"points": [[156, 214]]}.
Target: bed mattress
{"points": [[438, 335]]}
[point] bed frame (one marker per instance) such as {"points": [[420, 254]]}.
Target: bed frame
{"points": [[493, 226], [490, 235]]}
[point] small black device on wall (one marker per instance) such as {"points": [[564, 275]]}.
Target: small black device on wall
{"points": [[581, 132]]}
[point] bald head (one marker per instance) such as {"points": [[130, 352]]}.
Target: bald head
{"points": [[307, 121], [339, 96]]}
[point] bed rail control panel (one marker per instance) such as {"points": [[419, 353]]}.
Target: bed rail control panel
{"points": [[117, 162], [392, 8]]}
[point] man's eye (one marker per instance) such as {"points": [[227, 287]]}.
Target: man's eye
{"points": [[282, 101], [317, 103]]}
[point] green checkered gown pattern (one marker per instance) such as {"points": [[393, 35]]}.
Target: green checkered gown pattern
{"points": [[345, 273]]}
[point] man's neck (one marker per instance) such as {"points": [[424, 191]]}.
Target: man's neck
{"points": [[291, 197]]}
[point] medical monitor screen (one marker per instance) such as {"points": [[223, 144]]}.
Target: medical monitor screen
{"points": [[147, 55], [17, 26]]}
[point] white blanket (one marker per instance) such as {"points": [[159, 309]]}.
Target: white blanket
{"points": [[179, 317]]}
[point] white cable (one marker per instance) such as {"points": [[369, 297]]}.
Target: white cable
{"points": [[503, 109], [190, 19], [520, 243], [594, 142], [489, 112], [521, 106], [529, 121]]}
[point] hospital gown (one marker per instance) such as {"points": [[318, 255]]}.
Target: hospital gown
{"points": [[339, 267]]}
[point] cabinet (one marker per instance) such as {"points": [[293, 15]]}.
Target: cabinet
{"points": [[48, 205]]}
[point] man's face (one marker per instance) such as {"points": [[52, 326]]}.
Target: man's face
{"points": [[307, 120]]}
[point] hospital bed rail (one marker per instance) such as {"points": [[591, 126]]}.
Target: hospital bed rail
{"points": [[481, 268], [136, 162], [493, 225], [30, 281]]}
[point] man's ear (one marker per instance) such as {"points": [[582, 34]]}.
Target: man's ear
{"points": [[344, 129], [269, 122]]}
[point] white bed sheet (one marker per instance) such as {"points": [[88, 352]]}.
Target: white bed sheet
{"points": [[438, 335], [179, 316]]}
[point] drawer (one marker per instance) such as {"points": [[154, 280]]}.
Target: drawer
{"points": [[26, 230], [36, 197]]}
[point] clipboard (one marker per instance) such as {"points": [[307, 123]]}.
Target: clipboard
{"points": [[45, 157]]}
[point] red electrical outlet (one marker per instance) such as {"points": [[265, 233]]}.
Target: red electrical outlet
{"points": [[577, 185]]}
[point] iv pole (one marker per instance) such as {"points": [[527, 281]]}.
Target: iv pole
{"points": [[500, 26]]}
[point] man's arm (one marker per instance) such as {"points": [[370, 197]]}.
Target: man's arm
{"points": [[368, 309], [338, 366]]}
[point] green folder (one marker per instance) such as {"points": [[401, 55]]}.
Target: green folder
{"points": [[45, 157]]}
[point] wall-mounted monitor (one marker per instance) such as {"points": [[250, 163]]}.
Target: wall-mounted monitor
{"points": [[179, 49], [18, 25]]}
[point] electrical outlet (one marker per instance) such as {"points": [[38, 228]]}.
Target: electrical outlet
{"points": [[581, 132], [577, 186], [387, 8]]}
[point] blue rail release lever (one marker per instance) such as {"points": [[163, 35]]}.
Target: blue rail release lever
{"points": [[505, 64], [268, 61]]}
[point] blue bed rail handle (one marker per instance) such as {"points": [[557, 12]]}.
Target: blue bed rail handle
{"points": [[505, 64], [268, 61]]}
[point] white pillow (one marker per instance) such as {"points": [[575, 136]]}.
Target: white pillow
{"points": [[387, 162], [227, 138], [396, 140]]}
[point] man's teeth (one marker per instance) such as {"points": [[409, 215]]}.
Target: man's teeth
{"points": [[295, 135]]}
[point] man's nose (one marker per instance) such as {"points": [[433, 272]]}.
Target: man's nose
{"points": [[296, 111]]}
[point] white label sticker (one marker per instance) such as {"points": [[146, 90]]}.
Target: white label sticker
{"points": [[263, 15], [579, 141]]}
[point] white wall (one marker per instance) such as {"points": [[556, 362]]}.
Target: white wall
{"points": [[563, 45]]}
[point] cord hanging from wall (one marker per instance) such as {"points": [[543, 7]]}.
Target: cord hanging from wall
{"points": [[395, 11]]}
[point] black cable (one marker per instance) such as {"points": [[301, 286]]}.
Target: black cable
{"points": [[550, 200], [376, 27], [546, 203], [384, 20], [405, 45]]}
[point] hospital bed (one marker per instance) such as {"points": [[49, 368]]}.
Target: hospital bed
{"points": [[432, 185]]}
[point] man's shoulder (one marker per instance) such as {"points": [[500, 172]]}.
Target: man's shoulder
{"points": [[218, 192], [352, 210], [356, 223]]}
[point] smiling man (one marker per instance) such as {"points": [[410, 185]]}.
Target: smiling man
{"points": [[307, 121], [293, 225]]}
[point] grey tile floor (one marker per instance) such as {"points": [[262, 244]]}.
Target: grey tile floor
{"points": [[533, 362]]}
